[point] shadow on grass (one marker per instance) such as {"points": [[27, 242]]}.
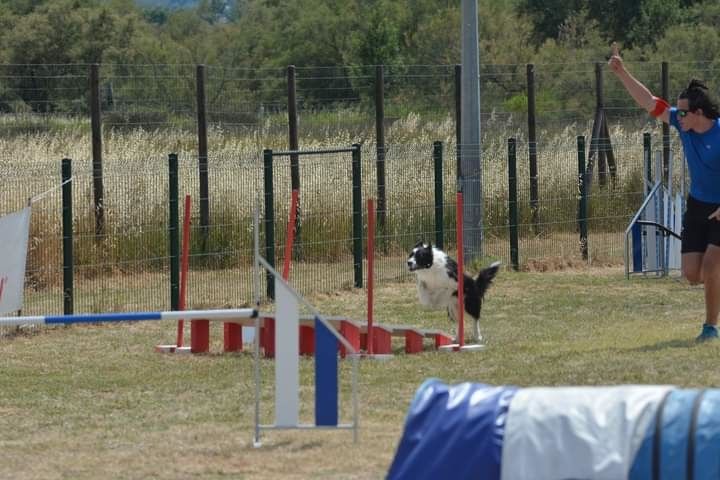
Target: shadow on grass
{"points": [[285, 444], [667, 344], [273, 445]]}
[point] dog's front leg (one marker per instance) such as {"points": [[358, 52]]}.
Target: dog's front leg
{"points": [[453, 316], [476, 322]]}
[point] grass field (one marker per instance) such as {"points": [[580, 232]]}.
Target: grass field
{"points": [[87, 402]]}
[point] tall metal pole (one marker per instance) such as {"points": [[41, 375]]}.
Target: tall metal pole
{"points": [[471, 179]]}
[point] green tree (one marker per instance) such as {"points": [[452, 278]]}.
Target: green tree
{"points": [[217, 11], [633, 22], [580, 45], [654, 17], [378, 38], [548, 15]]}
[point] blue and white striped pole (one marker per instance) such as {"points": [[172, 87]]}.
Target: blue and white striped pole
{"points": [[225, 315]]}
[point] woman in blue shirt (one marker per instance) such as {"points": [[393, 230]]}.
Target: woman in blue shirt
{"points": [[696, 118]]}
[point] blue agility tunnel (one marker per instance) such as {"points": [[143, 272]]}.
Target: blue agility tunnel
{"points": [[634, 432]]}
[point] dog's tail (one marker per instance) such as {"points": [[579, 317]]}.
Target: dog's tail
{"points": [[486, 276]]}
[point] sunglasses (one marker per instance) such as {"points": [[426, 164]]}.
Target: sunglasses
{"points": [[682, 113]]}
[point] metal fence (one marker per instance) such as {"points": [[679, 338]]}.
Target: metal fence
{"points": [[127, 267], [220, 120], [157, 95]]}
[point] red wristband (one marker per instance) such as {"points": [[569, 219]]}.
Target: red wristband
{"points": [[660, 106]]}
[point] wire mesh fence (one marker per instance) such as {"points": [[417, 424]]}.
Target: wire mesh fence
{"points": [[149, 111], [126, 267]]}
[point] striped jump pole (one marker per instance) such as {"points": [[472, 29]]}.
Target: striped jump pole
{"points": [[224, 315]]}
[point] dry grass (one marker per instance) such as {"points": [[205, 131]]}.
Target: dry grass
{"points": [[135, 173], [88, 402]]}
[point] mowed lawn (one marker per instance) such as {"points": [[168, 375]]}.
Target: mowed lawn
{"points": [[95, 401]]}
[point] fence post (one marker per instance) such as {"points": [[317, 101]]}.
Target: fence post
{"points": [[380, 146], [294, 145], [67, 236], [647, 163], [269, 219], [532, 149], [458, 122], [202, 155], [666, 127], [513, 204], [600, 139], [439, 220], [96, 127], [174, 231], [582, 203], [357, 215]]}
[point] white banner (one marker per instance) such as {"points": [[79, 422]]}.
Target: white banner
{"points": [[14, 233]]}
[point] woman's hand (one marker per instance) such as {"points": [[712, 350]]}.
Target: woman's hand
{"points": [[615, 62], [715, 215]]}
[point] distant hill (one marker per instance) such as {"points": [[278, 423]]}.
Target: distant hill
{"points": [[171, 4]]}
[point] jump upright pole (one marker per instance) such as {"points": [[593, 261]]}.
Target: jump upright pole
{"points": [[370, 268], [290, 236], [460, 346], [184, 267], [461, 277]]}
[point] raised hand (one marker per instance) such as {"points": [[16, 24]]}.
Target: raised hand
{"points": [[615, 62]]}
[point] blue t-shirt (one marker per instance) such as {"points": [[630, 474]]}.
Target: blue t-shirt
{"points": [[702, 151]]}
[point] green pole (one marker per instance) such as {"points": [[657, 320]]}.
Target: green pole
{"points": [[269, 219], [583, 202], [67, 236], [357, 215], [174, 230], [438, 164], [513, 204]]}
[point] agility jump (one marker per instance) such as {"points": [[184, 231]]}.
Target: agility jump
{"points": [[287, 353], [286, 337]]}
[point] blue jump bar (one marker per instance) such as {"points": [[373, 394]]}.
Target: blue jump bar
{"points": [[102, 317], [228, 314]]}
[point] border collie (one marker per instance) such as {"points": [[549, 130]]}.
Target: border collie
{"points": [[437, 280]]}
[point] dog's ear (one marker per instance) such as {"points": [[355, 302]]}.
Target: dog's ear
{"points": [[429, 245]]}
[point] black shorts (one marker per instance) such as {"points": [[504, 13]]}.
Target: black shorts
{"points": [[697, 230]]}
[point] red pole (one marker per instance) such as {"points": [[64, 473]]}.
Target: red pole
{"points": [[184, 269], [461, 276], [290, 237], [370, 267]]}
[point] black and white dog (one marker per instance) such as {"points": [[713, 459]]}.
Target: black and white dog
{"points": [[437, 283]]}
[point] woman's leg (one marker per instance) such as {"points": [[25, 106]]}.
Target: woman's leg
{"points": [[711, 277], [692, 263]]}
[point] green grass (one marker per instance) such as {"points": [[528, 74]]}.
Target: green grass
{"points": [[86, 402]]}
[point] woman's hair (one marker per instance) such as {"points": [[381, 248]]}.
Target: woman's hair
{"points": [[697, 96]]}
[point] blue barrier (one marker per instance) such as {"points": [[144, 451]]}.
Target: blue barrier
{"points": [[634, 432]]}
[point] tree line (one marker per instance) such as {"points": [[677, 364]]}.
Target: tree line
{"points": [[341, 33]]}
